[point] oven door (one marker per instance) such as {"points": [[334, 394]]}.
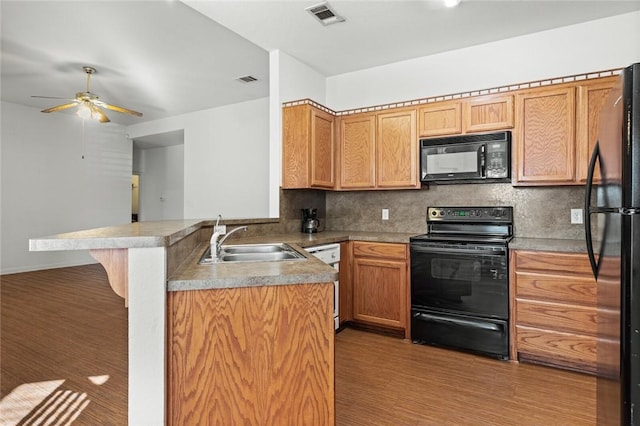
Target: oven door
{"points": [[468, 279]]}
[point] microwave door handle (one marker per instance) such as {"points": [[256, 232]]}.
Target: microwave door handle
{"points": [[483, 151]]}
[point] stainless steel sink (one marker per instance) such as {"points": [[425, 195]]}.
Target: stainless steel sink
{"points": [[255, 248], [253, 253]]}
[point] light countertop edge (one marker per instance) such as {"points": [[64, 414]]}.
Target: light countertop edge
{"points": [[131, 235]]}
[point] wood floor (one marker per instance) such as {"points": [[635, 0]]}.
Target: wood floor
{"points": [[63, 325], [67, 324]]}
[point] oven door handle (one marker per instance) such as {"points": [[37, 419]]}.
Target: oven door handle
{"points": [[467, 323], [488, 251]]}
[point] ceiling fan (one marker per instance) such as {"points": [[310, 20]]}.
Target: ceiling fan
{"points": [[89, 104]]}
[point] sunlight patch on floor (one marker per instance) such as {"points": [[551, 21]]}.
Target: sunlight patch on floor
{"points": [[99, 380], [22, 400], [44, 403]]}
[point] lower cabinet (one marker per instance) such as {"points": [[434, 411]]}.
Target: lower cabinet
{"points": [[554, 309], [252, 355], [380, 285]]}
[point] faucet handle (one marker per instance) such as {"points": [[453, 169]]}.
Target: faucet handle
{"points": [[222, 229]]}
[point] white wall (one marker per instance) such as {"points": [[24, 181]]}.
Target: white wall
{"points": [[47, 188], [226, 151], [289, 80], [299, 81], [162, 183], [592, 46]]}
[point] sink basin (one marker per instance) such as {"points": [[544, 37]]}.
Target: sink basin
{"points": [[255, 248], [253, 253]]}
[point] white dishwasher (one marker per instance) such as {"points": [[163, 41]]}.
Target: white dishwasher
{"points": [[330, 254]]}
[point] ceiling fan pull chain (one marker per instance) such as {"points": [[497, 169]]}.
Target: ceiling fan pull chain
{"points": [[82, 139]]}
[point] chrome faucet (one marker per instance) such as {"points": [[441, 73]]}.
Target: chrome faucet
{"points": [[216, 245]]}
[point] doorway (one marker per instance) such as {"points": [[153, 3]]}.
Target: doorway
{"points": [[135, 197]]}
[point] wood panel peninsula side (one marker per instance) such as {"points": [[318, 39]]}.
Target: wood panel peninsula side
{"points": [[236, 342]]}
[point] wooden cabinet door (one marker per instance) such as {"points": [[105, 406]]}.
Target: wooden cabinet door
{"points": [[357, 151], [545, 143], [295, 147], [486, 113], [307, 148], [591, 97], [322, 149], [441, 118], [379, 292], [380, 284], [397, 150]]}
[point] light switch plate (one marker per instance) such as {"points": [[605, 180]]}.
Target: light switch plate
{"points": [[222, 229], [576, 216], [385, 214]]}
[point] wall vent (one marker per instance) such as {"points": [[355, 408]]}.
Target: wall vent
{"points": [[324, 14], [247, 79]]}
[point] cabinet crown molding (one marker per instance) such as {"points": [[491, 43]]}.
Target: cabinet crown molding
{"points": [[462, 95]]}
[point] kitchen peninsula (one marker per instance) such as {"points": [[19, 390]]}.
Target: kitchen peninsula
{"points": [[252, 342]]}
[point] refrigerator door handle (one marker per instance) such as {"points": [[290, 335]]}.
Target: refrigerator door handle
{"points": [[589, 210]]}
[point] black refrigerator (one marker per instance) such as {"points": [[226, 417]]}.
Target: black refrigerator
{"points": [[612, 228]]}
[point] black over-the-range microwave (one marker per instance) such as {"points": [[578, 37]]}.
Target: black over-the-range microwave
{"points": [[466, 158]]}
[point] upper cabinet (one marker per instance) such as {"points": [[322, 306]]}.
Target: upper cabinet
{"points": [[544, 146], [378, 151], [440, 118], [476, 114], [397, 150], [307, 148], [357, 151], [557, 128], [591, 97], [488, 113]]}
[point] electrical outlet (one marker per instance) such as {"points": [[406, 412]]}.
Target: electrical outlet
{"points": [[576, 216], [385, 214], [222, 229]]}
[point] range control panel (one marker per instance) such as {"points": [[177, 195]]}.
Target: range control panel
{"points": [[470, 214]]}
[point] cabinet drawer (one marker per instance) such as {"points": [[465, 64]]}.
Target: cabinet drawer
{"points": [[381, 250], [559, 316], [553, 345], [572, 263], [561, 288]]}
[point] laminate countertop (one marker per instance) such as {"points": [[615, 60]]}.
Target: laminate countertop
{"points": [[549, 244], [192, 276]]}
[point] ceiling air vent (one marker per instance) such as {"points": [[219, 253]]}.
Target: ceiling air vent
{"points": [[323, 13], [247, 79]]}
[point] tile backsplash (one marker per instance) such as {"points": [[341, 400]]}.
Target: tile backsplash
{"points": [[539, 212]]}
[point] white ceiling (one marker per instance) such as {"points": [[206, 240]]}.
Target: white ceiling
{"points": [[382, 32], [165, 58]]}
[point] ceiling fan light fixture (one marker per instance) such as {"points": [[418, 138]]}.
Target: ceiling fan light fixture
{"points": [[84, 111]]}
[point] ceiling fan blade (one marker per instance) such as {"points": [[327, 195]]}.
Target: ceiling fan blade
{"points": [[60, 107], [102, 117], [51, 97], [120, 109]]}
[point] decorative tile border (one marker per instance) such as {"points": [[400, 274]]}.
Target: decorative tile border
{"points": [[491, 91]]}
